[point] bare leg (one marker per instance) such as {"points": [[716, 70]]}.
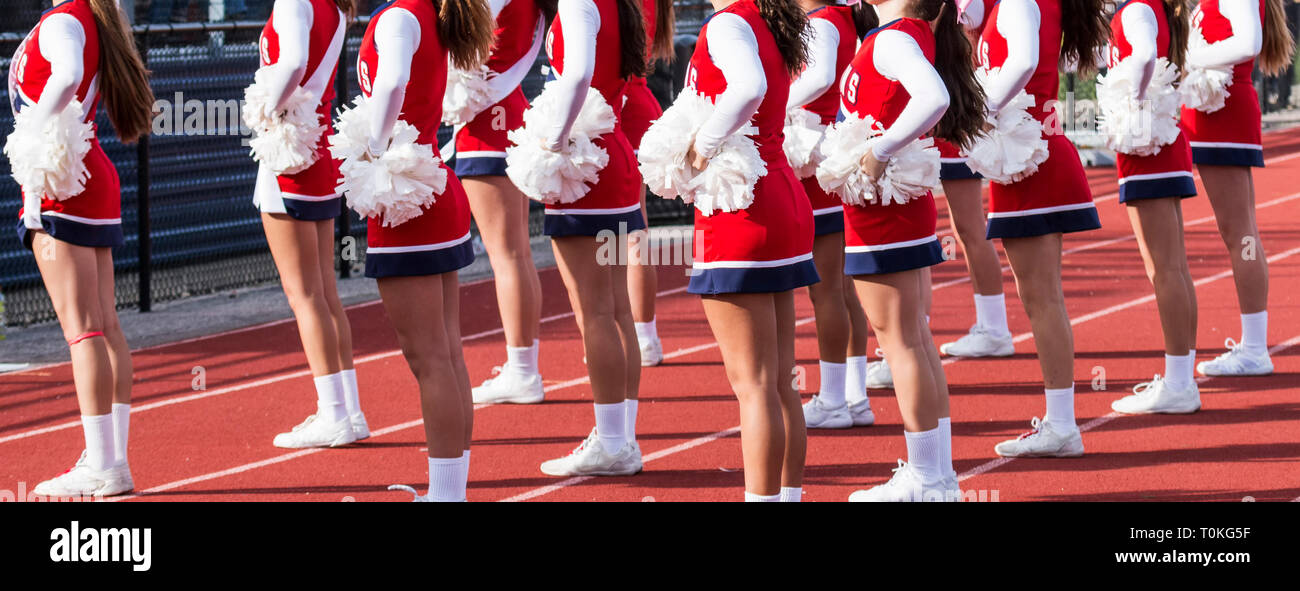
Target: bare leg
{"points": [[1036, 264], [591, 290], [71, 275], [1231, 190], [893, 303], [501, 213], [330, 289], [966, 208], [119, 351], [1158, 224], [796, 435], [642, 282], [829, 307], [295, 248], [745, 326]]}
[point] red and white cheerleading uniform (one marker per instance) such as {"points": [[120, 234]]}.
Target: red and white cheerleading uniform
{"points": [[1230, 136], [481, 144], [952, 163], [1167, 173], [402, 41], [640, 107], [892, 79], [1057, 197], [594, 50], [831, 48], [66, 40], [767, 247], [309, 32]]}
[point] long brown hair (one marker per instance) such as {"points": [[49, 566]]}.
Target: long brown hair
{"points": [[631, 34], [864, 18], [789, 26], [1086, 31], [1275, 57], [349, 8], [1177, 13], [123, 79], [952, 59], [467, 31], [661, 47]]}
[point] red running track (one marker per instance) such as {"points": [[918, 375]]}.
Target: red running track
{"points": [[215, 443]]}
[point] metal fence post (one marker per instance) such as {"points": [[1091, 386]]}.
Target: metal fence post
{"points": [[143, 243], [340, 98]]}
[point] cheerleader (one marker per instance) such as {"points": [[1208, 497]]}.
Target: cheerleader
{"points": [[1152, 188], [500, 210], [80, 51], [640, 109], [1021, 47], [747, 263], [300, 46], [963, 189], [605, 47], [841, 324], [415, 262], [1226, 144], [913, 74]]}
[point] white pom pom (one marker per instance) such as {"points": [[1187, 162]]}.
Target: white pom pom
{"points": [[396, 186], [1204, 89], [909, 174], [726, 184], [468, 94], [803, 133], [1015, 147], [284, 142], [49, 158], [1130, 127], [563, 176]]}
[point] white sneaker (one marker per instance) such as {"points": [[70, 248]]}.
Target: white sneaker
{"points": [[819, 415], [591, 459], [1044, 441], [905, 487], [861, 413], [510, 387], [359, 426], [980, 342], [315, 432], [652, 352], [418, 497], [1157, 396], [878, 374], [636, 457], [1236, 362], [83, 481]]}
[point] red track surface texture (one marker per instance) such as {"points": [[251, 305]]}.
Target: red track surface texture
{"points": [[215, 444]]}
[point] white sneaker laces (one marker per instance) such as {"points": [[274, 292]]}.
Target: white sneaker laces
{"points": [[1036, 428], [1146, 388]]}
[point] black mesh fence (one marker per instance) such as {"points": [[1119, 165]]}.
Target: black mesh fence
{"points": [[202, 233]]}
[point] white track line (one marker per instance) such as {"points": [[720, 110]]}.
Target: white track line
{"points": [[1102, 420], [281, 377], [732, 430]]}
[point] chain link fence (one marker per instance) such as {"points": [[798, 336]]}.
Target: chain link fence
{"points": [[187, 211]]}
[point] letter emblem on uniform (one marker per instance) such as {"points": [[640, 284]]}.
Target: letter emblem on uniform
{"points": [[264, 47], [363, 72], [851, 88]]}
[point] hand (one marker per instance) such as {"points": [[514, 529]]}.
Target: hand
{"points": [[871, 166], [696, 161]]}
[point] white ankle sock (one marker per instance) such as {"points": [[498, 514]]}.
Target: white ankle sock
{"points": [[522, 360], [1060, 408], [945, 446], [351, 394], [447, 479], [629, 412], [791, 494], [646, 331], [121, 430], [1254, 332], [98, 430], [832, 383], [464, 468], [991, 313], [855, 379], [329, 398], [923, 453], [611, 425], [753, 498], [1178, 370]]}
